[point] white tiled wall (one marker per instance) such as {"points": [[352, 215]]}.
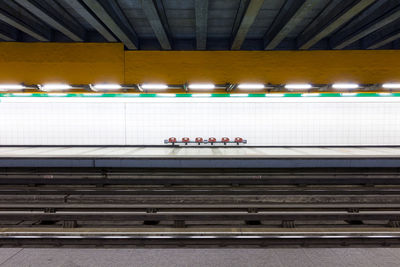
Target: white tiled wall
{"points": [[267, 123], [62, 123], [286, 123]]}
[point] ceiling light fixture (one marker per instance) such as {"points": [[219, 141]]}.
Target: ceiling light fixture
{"points": [[5, 87], [55, 87], [107, 86], [391, 85], [251, 86], [345, 85], [298, 86], [201, 86], [154, 86]]}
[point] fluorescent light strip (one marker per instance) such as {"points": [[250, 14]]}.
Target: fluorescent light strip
{"points": [[251, 86], [4, 87], [106, 86], [345, 85], [55, 86], [391, 85], [154, 86], [298, 86], [201, 86]]}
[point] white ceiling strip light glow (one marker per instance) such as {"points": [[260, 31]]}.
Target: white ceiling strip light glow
{"points": [[107, 86], [345, 86], [391, 85], [251, 86], [154, 86], [201, 86], [55, 87], [298, 86], [6, 87]]}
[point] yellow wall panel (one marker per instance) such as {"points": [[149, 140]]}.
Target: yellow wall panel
{"points": [[74, 63], [82, 63], [276, 67]]}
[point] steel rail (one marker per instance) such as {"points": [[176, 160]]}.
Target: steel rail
{"points": [[203, 181], [198, 192], [202, 242], [204, 216]]}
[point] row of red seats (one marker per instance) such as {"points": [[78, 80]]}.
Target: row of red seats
{"points": [[201, 140]]}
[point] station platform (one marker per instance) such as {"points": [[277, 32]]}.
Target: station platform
{"points": [[199, 157]]}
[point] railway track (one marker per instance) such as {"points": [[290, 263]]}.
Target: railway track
{"points": [[60, 207]]}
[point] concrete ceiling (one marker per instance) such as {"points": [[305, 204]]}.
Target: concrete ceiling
{"points": [[206, 24]]}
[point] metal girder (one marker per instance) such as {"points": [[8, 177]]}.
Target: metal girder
{"points": [[371, 27], [128, 40], [51, 20], [22, 26], [316, 32], [292, 13], [84, 13], [239, 15], [156, 24], [250, 15], [385, 40], [201, 10], [6, 34], [6, 37]]}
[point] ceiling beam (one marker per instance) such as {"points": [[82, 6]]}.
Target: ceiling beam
{"points": [[248, 19], [201, 11], [129, 40], [239, 15], [360, 22], [7, 34], [369, 28], [85, 14], [22, 26], [386, 39], [150, 10], [291, 14], [50, 19], [6, 37], [318, 31]]}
